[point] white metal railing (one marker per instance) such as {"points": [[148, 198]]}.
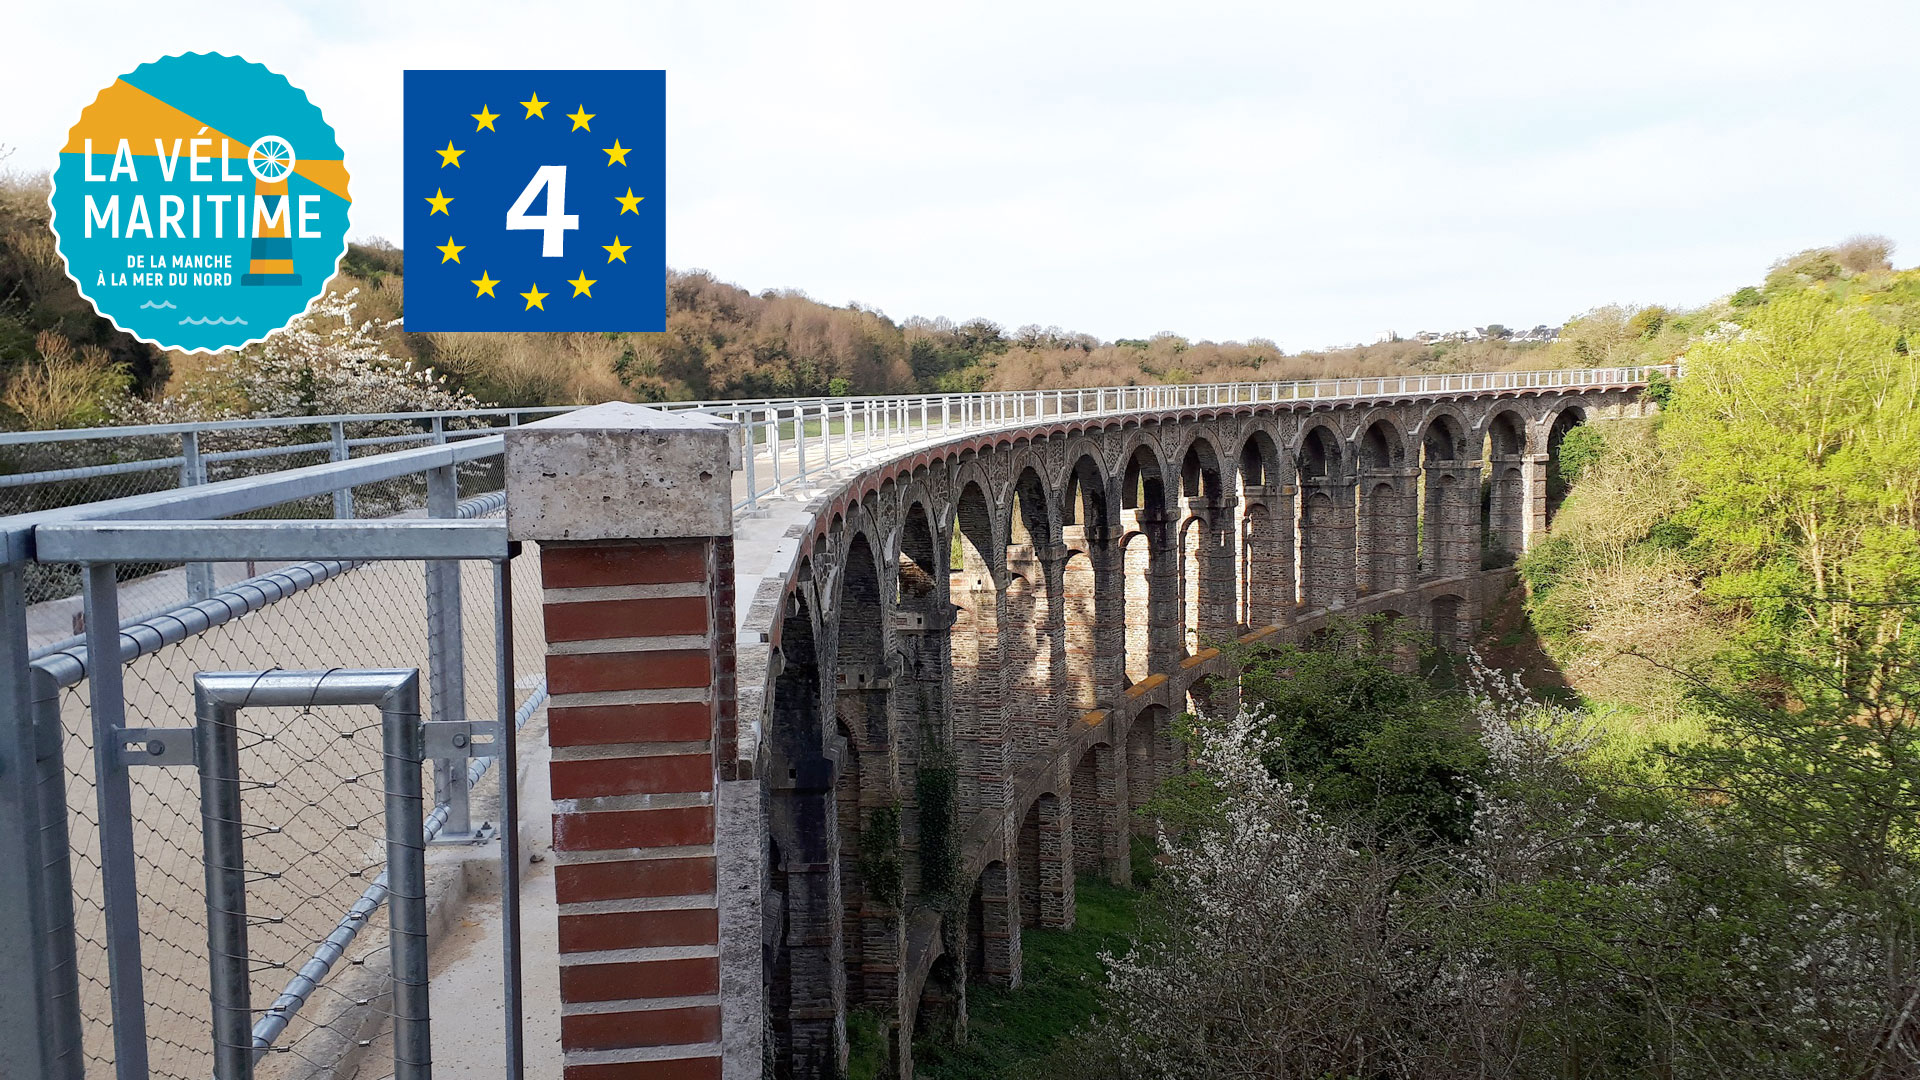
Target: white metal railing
{"points": [[790, 438]]}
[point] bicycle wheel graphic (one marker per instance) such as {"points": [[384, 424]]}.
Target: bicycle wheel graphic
{"points": [[270, 159]]}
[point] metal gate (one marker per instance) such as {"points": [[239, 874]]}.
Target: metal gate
{"points": [[229, 846]]}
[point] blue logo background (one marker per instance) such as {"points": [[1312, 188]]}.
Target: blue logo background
{"points": [[465, 171], [178, 98]]}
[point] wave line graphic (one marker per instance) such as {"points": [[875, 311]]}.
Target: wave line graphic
{"points": [[158, 306], [191, 321]]}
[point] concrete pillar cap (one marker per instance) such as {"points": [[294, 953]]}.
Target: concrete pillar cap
{"points": [[620, 471]]}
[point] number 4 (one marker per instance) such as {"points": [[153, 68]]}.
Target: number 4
{"points": [[553, 224]]}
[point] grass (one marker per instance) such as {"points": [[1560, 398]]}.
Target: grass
{"points": [[1011, 1033], [1626, 735]]}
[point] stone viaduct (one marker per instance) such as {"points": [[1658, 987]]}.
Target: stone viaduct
{"points": [[833, 758]]}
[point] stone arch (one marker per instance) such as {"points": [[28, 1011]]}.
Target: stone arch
{"points": [[1037, 629], [941, 1012], [1148, 561], [1045, 863], [1319, 454], [1200, 475], [1447, 620], [1450, 496], [1505, 504], [993, 927], [976, 650], [801, 910], [1379, 446], [1084, 793], [1325, 527], [1266, 533], [1558, 424], [1194, 541], [1206, 590], [1149, 760], [1443, 435], [1091, 588], [1387, 521], [865, 789], [922, 691], [1144, 485]]}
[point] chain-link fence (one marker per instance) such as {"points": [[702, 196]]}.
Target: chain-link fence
{"points": [[42, 471], [313, 806]]}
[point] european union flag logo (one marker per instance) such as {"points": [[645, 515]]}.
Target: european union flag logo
{"points": [[535, 200]]}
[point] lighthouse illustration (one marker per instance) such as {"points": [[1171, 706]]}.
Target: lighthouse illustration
{"points": [[270, 159]]}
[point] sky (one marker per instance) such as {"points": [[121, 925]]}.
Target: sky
{"points": [[1314, 174]]}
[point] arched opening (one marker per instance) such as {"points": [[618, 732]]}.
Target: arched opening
{"points": [[1193, 532], [1559, 476], [1266, 542], [1450, 632], [942, 1010], [1148, 562], [921, 716], [855, 888], [1448, 547], [1206, 550], [975, 655], [1028, 862], [993, 928], [1135, 560], [1035, 634], [801, 913], [1046, 865], [1149, 758], [1030, 723], [1078, 596], [1388, 518], [1326, 529], [1504, 529], [865, 792], [1090, 590], [1089, 837]]}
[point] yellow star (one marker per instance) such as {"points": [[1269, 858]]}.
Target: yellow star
{"points": [[582, 285], [580, 118], [440, 199], [534, 298], [449, 156], [485, 284], [533, 109], [617, 250], [450, 251], [629, 201], [617, 153], [486, 119]]}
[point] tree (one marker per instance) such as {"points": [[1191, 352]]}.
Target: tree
{"points": [[1798, 441]]}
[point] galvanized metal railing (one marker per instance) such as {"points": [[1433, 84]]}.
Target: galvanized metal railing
{"points": [[793, 437], [38, 739]]}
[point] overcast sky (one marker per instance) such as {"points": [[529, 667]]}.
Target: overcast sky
{"points": [[1311, 173]]}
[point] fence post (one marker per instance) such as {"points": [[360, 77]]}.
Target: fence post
{"points": [[120, 895], [193, 473], [447, 661], [39, 978], [800, 441], [342, 499], [631, 508], [401, 740], [217, 750], [749, 437]]}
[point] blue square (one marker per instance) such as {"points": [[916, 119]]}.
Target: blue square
{"points": [[535, 200]]}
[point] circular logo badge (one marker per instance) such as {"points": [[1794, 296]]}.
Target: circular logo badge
{"points": [[201, 202]]}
